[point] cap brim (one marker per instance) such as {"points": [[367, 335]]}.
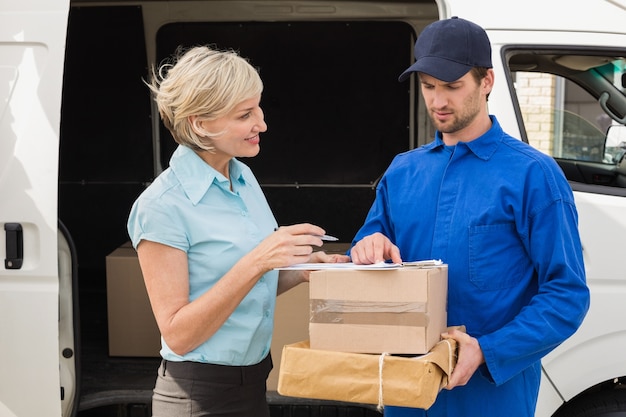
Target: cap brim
{"points": [[441, 69]]}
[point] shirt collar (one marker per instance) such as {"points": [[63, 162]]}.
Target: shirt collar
{"points": [[196, 176], [483, 146]]}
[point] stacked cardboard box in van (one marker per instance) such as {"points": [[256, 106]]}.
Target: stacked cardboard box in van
{"points": [[132, 328]]}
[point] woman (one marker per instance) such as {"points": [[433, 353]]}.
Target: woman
{"points": [[207, 244]]}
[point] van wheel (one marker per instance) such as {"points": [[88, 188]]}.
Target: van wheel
{"points": [[601, 404]]}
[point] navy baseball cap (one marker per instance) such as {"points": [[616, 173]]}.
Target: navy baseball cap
{"points": [[448, 49]]}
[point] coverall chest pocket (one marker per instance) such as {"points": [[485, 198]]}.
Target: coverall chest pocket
{"points": [[497, 257]]}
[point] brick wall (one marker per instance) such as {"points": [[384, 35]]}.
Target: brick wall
{"points": [[536, 94]]}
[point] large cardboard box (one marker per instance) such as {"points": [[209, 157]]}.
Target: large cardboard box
{"points": [[291, 320], [291, 324], [366, 378], [132, 328], [398, 311]]}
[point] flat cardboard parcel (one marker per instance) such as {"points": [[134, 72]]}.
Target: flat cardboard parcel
{"points": [[366, 378]]}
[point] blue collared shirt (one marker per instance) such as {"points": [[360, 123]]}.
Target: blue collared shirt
{"points": [[191, 207], [502, 216]]}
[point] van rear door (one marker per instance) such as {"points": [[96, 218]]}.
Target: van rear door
{"points": [[32, 44]]}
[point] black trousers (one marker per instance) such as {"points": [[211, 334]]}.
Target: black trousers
{"points": [[192, 389]]}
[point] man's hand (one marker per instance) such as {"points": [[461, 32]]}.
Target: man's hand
{"points": [[470, 358], [373, 249]]}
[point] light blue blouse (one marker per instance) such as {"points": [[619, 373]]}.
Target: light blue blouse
{"points": [[190, 207]]}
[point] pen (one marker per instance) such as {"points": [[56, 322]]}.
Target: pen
{"points": [[327, 238]]}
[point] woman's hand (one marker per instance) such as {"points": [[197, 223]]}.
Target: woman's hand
{"points": [[289, 279], [323, 257], [287, 246]]}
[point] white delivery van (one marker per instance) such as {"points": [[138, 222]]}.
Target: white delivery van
{"points": [[80, 139]]}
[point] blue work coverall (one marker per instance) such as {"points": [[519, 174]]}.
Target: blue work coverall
{"points": [[502, 216]]}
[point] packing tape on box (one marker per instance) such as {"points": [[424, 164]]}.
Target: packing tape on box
{"points": [[352, 306], [364, 312]]}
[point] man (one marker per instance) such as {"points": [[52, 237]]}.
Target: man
{"points": [[499, 213]]}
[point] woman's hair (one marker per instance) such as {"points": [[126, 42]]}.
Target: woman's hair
{"points": [[202, 82]]}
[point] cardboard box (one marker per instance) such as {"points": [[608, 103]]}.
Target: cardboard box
{"points": [[365, 378], [291, 320], [132, 328], [397, 311], [291, 324]]}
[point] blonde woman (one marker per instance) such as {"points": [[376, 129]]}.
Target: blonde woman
{"points": [[207, 244]]}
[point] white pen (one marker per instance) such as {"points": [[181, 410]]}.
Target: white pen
{"points": [[328, 238]]}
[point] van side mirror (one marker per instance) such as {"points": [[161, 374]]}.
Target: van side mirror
{"points": [[615, 144]]}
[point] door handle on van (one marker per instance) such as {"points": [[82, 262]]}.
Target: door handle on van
{"points": [[14, 246]]}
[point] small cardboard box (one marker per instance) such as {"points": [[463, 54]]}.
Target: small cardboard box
{"points": [[398, 311], [365, 378], [132, 328]]}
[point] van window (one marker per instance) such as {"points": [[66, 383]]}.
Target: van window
{"points": [[571, 103]]}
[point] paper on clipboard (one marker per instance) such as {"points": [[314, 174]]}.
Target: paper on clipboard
{"points": [[429, 262], [313, 266]]}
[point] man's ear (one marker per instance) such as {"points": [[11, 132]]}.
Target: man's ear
{"points": [[488, 80], [196, 126]]}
